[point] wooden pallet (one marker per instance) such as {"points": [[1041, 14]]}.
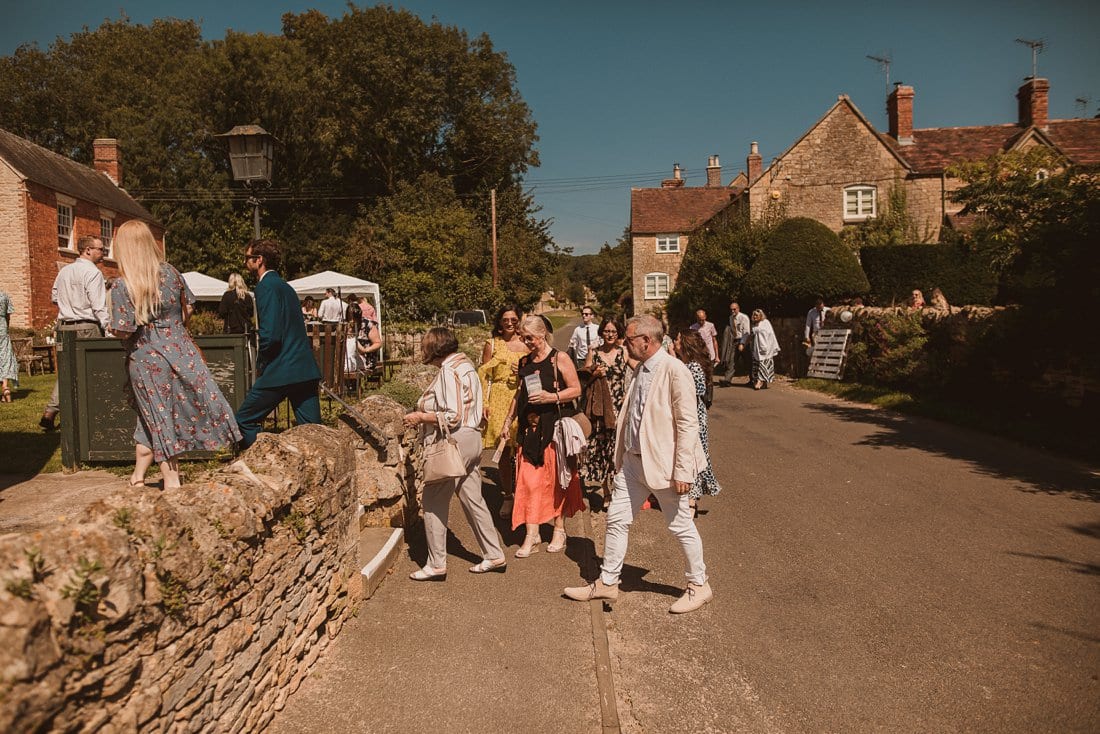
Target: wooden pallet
{"points": [[827, 358]]}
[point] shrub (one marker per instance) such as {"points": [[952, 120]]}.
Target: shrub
{"points": [[888, 349], [802, 259], [203, 323], [895, 270]]}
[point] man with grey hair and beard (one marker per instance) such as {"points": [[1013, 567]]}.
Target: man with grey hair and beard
{"points": [[657, 451]]}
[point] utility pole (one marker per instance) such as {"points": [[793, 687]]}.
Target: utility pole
{"points": [[493, 204]]}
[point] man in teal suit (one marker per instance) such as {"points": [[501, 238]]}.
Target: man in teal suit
{"points": [[286, 364]]}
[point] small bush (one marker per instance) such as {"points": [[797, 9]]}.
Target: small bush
{"points": [[204, 323], [802, 259], [895, 270], [888, 349]]}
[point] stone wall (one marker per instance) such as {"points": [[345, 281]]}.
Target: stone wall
{"points": [[13, 233], [200, 609]]}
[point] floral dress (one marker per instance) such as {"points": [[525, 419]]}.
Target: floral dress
{"points": [[179, 405], [499, 381], [599, 463], [9, 365], [705, 483]]}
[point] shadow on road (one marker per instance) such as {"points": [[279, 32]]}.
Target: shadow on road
{"points": [[992, 456]]}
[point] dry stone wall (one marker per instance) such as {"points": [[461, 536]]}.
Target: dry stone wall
{"points": [[200, 609]]}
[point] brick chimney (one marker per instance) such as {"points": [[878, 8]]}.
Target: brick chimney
{"points": [[714, 172], [107, 160], [1032, 98], [754, 163], [899, 110], [677, 179]]}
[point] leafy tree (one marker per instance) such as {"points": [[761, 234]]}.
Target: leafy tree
{"points": [[608, 273], [894, 224], [803, 259]]}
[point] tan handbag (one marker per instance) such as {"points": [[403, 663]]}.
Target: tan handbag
{"points": [[442, 459]]}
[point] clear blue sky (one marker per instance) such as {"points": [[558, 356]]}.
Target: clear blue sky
{"points": [[622, 90]]}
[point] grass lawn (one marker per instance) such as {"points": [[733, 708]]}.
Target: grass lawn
{"points": [[26, 448], [1006, 419]]}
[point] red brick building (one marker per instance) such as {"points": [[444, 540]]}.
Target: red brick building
{"points": [[47, 203], [840, 173]]}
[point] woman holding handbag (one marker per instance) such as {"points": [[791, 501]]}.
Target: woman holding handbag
{"points": [[179, 405], [450, 411]]}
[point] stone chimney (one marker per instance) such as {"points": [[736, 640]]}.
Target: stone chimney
{"points": [[899, 110], [754, 163], [677, 179], [106, 158], [1032, 98], [714, 172]]}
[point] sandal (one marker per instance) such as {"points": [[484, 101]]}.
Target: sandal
{"points": [[530, 546], [7, 395], [487, 566], [132, 483], [425, 574], [554, 547]]}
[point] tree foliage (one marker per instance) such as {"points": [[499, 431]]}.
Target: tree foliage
{"points": [[894, 225]]}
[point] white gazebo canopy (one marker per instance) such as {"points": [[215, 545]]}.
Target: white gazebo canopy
{"points": [[344, 285], [204, 287]]}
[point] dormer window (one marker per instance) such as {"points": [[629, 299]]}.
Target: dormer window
{"points": [[668, 243], [859, 203]]}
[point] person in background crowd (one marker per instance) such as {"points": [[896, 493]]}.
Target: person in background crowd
{"points": [[540, 497], [499, 373], [692, 352], [331, 311], [815, 319], [657, 450], [353, 314], [585, 337], [236, 307], [709, 334], [285, 359], [179, 405], [916, 299], [734, 338], [81, 297], [9, 365], [454, 397], [764, 348], [608, 364], [309, 309], [368, 338]]}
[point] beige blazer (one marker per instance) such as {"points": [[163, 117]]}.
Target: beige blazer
{"points": [[669, 432]]}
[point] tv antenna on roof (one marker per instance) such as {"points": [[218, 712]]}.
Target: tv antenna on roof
{"points": [[1082, 103], [1036, 47], [884, 62]]}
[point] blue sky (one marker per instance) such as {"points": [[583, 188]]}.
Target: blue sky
{"points": [[622, 90]]}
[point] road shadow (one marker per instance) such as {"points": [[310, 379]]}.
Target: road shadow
{"points": [[1040, 473], [1089, 569]]}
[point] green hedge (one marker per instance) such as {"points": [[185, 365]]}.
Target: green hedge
{"points": [[895, 270]]}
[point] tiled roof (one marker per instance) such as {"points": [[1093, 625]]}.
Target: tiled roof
{"points": [[67, 176], [675, 210], [934, 149]]}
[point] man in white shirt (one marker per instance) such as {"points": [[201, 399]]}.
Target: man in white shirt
{"points": [[815, 318], [657, 451], [736, 336], [331, 310], [709, 333], [81, 298], [585, 337]]}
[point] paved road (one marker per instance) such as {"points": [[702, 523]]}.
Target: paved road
{"points": [[872, 573]]}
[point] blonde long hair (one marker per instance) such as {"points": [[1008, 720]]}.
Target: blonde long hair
{"points": [[236, 282], [139, 258]]}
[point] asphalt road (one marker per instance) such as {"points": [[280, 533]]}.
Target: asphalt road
{"points": [[872, 572]]}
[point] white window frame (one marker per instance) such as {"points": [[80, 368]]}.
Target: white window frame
{"points": [[64, 226], [653, 284], [107, 234], [667, 243], [865, 198]]}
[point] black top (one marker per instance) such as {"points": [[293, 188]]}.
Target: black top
{"points": [[237, 312], [536, 420]]}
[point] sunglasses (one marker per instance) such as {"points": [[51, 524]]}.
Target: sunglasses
{"points": [[509, 321], [610, 332], [588, 313]]}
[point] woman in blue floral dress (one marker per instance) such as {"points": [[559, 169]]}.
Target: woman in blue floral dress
{"points": [[692, 351], [9, 365], [179, 405]]}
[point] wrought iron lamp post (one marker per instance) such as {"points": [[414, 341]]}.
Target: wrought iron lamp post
{"points": [[250, 155]]}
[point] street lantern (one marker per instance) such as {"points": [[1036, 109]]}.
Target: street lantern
{"points": [[250, 155]]}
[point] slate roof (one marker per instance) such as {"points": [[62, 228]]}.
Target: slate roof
{"points": [[934, 149], [653, 211], [66, 176]]}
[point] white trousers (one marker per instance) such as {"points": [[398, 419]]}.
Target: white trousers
{"points": [[628, 493]]}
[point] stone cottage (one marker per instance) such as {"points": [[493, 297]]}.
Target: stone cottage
{"points": [[47, 202]]}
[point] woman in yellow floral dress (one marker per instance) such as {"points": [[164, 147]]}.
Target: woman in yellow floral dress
{"points": [[499, 381]]}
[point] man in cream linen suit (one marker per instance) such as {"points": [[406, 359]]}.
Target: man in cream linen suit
{"points": [[657, 451]]}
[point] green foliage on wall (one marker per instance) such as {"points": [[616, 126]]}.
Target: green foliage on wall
{"points": [[895, 270]]}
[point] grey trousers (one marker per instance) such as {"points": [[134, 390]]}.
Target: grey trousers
{"points": [[82, 330], [437, 505]]}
